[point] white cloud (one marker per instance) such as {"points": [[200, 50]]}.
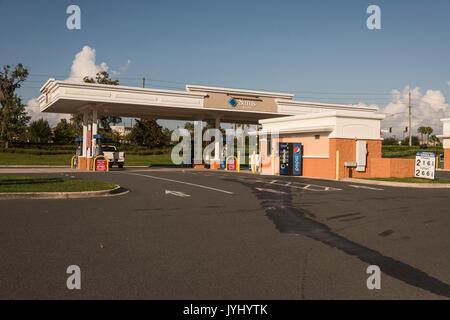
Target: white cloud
{"points": [[448, 82], [427, 110], [121, 69], [84, 65], [33, 110]]}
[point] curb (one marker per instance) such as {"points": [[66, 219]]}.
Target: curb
{"points": [[399, 184], [117, 191]]}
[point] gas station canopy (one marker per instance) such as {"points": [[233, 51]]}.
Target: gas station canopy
{"points": [[195, 103]]}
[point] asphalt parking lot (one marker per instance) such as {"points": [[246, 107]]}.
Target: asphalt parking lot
{"points": [[197, 234]]}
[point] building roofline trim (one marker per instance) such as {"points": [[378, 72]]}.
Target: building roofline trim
{"points": [[52, 83], [190, 88], [284, 102], [328, 114]]}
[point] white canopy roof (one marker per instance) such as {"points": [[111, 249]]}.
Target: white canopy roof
{"points": [[196, 103]]}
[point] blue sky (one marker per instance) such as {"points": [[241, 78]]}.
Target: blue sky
{"points": [[321, 50]]}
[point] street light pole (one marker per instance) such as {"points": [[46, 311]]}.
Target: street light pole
{"points": [[410, 129]]}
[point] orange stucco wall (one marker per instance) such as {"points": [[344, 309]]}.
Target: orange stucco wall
{"points": [[391, 167], [85, 163], [447, 159], [377, 167], [347, 153]]}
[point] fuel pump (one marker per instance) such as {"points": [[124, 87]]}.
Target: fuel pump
{"points": [[98, 145], [78, 152], [225, 154]]}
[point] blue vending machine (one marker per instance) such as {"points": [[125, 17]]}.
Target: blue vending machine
{"points": [[290, 159], [296, 159], [284, 158]]}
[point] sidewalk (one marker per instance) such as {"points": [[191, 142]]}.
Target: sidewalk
{"points": [[399, 184]]}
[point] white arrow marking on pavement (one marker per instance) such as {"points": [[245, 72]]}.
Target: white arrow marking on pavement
{"points": [[364, 187], [270, 190], [178, 193]]}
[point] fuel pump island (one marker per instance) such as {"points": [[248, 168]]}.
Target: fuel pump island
{"points": [[99, 161]]}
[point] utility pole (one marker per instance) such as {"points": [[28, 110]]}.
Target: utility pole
{"points": [[143, 82], [410, 129]]}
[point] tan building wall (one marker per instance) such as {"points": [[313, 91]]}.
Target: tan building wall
{"points": [[314, 144]]}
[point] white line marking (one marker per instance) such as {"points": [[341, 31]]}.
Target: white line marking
{"points": [[271, 190], [364, 187], [182, 182], [178, 193], [309, 187]]}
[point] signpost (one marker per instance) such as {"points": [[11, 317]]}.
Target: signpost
{"points": [[425, 166]]}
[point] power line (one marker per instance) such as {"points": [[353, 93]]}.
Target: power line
{"points": [[354, 97], [184, 83]]}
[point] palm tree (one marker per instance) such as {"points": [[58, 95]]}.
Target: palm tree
{"points": [[422, 130], [429, 130], [435, 140]]}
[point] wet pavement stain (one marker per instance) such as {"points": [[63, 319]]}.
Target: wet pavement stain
{"points": [[344, 215], [386, 233], [352, 219], [290, 220]]}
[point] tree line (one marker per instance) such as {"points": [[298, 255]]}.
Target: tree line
{"points": [[431, 139]]}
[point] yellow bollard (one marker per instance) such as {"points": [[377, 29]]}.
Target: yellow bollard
{"points": [[239, 162], [273, 162], [254, 162], [71, 161], [337, 165], [260, 163], [437, 161]]}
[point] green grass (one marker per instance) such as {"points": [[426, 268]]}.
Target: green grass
{"points": [[46, 184], [148, 160], [411, 180], [18, 159], [12, 159], [406, 152]]}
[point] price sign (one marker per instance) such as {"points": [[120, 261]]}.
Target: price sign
{"points": [[231, 164], [425, 166], [101, 165]]}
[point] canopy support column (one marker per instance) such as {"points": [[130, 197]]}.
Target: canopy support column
{"points": [[198, 145], [217, 142], [215, 163], [94, 132], [85, 134]]}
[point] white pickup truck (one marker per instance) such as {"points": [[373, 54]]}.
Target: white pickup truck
{"points": [[114, 156]]}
